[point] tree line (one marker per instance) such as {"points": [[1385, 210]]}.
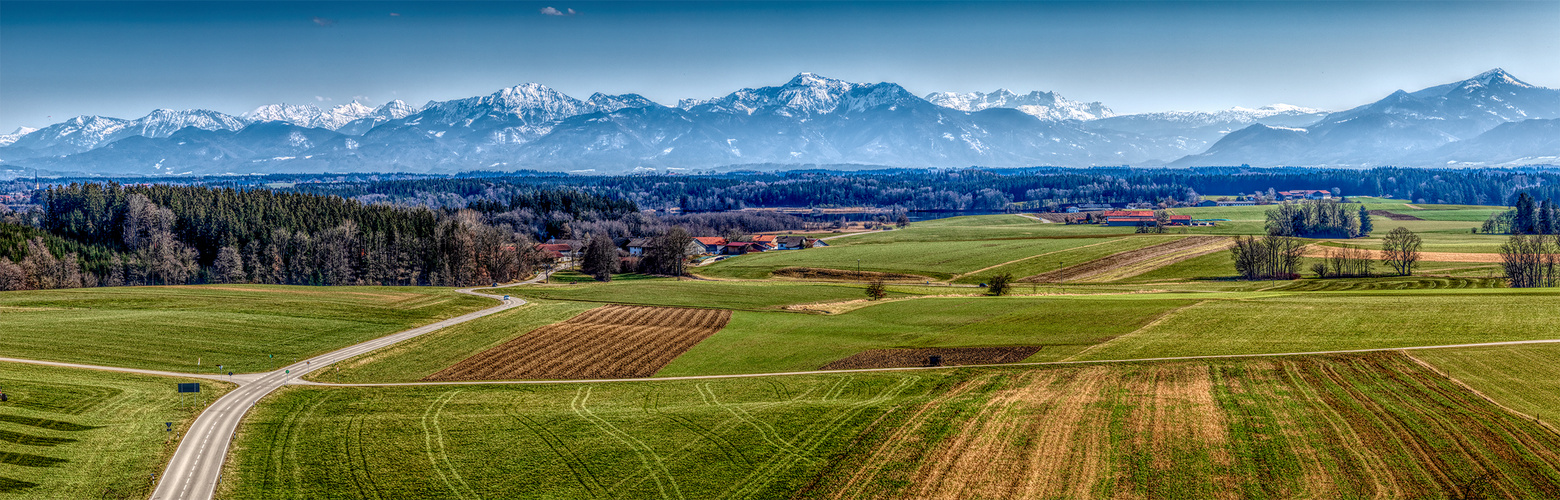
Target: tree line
{"points": [[114, 234]]}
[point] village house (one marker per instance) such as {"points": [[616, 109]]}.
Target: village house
{"points": [[1305, 194], [797, 243], [1141, 218], [711, 245]]}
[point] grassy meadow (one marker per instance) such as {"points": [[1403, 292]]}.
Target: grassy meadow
{"points": [[1313, 427], [757, 342], [72, 433], [1279, 322], [1524, 378], [196, 328]]}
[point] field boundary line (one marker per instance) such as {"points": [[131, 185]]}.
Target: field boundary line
{"points": [[1156, 321], [916, 368], [1015, 261], [1479, 393], [239, 379]]}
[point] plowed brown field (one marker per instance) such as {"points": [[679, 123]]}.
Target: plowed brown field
{"points": [[612, 341], [951, 356], [1346, 426], [1132, 263]]}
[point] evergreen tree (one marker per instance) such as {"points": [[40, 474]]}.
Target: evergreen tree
{"points": [[1524, 221], [1366, 226]]}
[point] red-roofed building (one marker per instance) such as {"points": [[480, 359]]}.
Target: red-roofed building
{"points": [[711, 244], [1128, 213], [1149, 220], [1305, 194]]}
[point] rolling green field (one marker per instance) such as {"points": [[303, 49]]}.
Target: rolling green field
{"points": [[739, 295], [938, 260], [1321, 321], [1525, 378], [422, 356], [1308, 427], [196, 328], [707, 439], [780, 342], [1095, 249], [72, 433]]}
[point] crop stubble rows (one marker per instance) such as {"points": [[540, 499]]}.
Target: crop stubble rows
{"points": [[613, 341], [1132, 263], [1353, 426]]}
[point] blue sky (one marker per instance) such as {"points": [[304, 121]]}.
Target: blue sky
{"points": [[61, 59]]}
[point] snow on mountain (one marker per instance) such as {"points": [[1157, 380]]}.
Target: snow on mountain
{"points": [[1236, 115], [1044, 105], [806, 94], [603, 103], [809, 119], [7, 139], [393, 110], [308, 115], [164, 122], [1402, 128]]}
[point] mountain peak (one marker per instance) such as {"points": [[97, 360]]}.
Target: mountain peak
{"points": [[1496, 77], [806, 79]]}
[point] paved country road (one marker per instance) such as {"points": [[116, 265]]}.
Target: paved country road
{"points": [[196, 466]]}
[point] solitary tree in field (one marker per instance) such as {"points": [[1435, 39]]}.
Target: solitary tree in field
{"points": [[877, 290], [1400, 249], [601, 259], [999, 284], [904, 220]]}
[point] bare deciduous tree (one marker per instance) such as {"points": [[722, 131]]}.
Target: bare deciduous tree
{"points": [[1400, 250]]}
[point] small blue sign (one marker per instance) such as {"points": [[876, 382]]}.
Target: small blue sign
{"points": [[190, 387]]}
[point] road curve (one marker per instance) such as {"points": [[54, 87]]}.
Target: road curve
{"points": [[196, 466]]}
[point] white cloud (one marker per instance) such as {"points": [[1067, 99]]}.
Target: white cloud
{"points": [[553, 11], [321, 98]]}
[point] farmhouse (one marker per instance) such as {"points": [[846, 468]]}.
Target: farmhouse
{"points": [[1305, 194], [742, 247], [637, 246], [796, 243], [1142, 218], [564, 250], [711, 244]]}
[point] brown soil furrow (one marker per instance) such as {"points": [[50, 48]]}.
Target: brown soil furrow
{"points": [[951, 356], [1134, 258], [904, 440], [612, 341]]}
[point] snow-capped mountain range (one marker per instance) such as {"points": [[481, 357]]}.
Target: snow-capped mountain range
{"points": [[1492, 118], [1043, 105]]}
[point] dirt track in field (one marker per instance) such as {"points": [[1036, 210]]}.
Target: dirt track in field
{"points": [[1132, 263], [819, 273], [1319, 251], [1393, 216], [1376, 425], [951, 356], [612, 341]]}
